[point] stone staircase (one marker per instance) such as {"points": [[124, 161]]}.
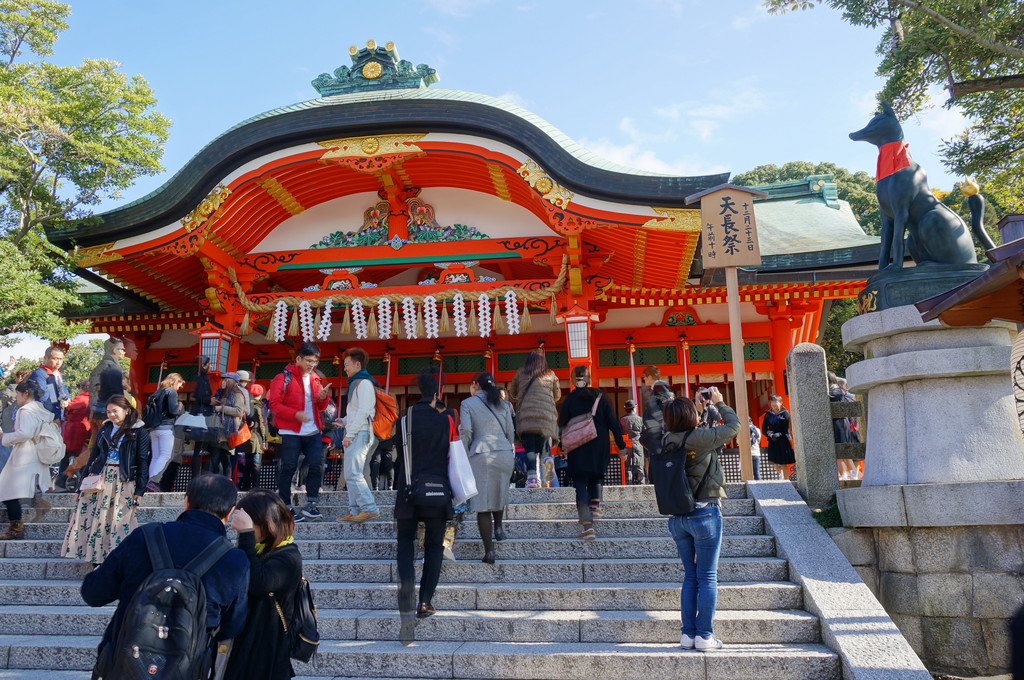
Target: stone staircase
{"points": [[552, 607]]}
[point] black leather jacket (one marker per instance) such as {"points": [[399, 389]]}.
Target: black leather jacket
{"points": [[135, 454]]}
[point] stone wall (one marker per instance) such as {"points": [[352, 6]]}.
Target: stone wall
{"points": [[950, 590]]}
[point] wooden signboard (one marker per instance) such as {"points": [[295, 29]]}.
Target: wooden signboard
{"points": [[728, 228]]}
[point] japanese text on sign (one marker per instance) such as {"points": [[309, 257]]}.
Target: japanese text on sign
{"points": [[729, 229]]}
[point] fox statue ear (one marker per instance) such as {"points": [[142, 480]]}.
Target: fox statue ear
{"points": [[886, 109]]}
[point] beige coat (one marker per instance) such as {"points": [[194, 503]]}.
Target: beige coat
{"points": [[535, 410], [18, 478]]}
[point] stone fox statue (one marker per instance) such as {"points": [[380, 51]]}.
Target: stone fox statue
{"points": [[935, 234]]}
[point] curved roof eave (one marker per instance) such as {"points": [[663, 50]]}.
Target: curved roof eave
{"points": [[383, 112]]}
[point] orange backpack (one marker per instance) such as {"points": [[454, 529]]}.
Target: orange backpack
{"points": [[385, 413]]}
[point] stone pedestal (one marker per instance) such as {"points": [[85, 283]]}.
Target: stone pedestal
{"points": [[942, 500]]}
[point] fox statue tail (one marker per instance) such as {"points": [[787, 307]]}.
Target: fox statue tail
{"points": [[976, 203]]}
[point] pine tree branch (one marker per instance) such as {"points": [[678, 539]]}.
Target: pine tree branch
{"points": [[986, 85]]}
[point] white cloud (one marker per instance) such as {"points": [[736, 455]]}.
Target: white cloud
{"points": [[754, 15], [517, 99], [865, 104], [702, 119], [442, 36], [633, 155], [945, 123], [457, 8]]}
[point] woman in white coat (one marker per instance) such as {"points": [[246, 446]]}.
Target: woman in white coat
{"points": [[487, 432], [23, 473]]}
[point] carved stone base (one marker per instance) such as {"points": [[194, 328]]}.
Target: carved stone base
{"points": [[899, 287]]}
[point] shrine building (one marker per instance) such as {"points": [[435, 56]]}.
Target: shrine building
{"points": [[438, 226]]}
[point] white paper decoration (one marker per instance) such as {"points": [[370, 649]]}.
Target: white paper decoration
{"points": [[324, 331], [512, 312], [459, 316], [280, 321], [358, 319], [430, 320], [484, 314], [306, 321], [409, 317], [384, 318]]}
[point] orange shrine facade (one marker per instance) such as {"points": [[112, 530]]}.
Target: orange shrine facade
{"points": [[438, 226]]}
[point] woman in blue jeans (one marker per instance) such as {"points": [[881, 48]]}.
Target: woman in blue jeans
{"points": [[698, 535]]}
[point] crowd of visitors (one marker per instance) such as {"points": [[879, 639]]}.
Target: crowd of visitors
{"points": [[118, 449]]}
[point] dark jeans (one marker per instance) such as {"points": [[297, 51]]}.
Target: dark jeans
{"points": [[220, 460], [433, 553], [756, 461], [14, 510], [587, 491], [537, 446], [291, 446], [250, 470], [382, 463], [199, 449]]}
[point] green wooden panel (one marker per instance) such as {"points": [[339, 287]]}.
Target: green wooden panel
{"points": [[187, 371], [642, 356], [722, 351]]}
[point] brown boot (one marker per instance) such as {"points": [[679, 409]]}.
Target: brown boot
{"points": [[15, 530]]}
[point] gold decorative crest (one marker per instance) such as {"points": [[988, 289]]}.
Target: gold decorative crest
{"points": [[97, 255], [372, 70], [549, 189], [679, 220], [206, 208], [355, 147]]}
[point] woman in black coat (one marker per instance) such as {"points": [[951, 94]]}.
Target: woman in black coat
{"points": [[775, 427], [587, 463], [262, 651], [430, 431]]}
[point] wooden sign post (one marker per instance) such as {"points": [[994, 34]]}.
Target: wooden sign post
{"points": [[729, 240]]}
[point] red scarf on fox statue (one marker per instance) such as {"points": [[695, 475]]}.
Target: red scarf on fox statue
{"points": [[892, 157]]}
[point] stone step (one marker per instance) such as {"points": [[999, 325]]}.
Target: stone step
{"points": [[639, 493], [649, 596], [514, 511], [429, 659], [660, 570], [22, 674], [743, 626], [535, 529], [28, 552]]}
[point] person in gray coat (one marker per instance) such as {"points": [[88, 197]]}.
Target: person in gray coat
{"points": [[487, 432]]}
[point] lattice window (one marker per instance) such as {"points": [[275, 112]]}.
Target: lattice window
{"points": [[513, 361], [187, 371], [268, 369], [413, 365], [465, 363], [643, 356], [722, 351]]}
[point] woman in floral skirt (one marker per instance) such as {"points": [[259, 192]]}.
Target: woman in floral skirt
{"points": [[120, 457]]}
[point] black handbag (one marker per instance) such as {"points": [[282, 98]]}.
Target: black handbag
{"points": [[671, 484], [425, 490]]}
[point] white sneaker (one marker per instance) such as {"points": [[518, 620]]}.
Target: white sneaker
{"points": [[686, 642], [707, 644]]}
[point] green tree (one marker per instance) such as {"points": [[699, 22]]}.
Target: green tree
{"points": [[972, 49], [70, 136], [857, 188]]}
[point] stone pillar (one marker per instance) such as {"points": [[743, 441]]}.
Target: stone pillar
{"points": [[943, 483], [817, 476]]}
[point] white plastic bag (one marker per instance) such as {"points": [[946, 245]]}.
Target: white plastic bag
{"points": [[460, 474]]}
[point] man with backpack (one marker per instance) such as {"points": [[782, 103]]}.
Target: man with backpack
{"points": [[297, 398], [183, 573], [359, 437]]}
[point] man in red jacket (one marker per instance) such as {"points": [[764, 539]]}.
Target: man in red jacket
{"points": [[296, 399]]}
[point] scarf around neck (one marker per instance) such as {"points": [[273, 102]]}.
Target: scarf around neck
{"points": [[361, 374], [892, 157], [262, 547]]}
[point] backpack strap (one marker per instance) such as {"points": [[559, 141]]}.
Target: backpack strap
{"points": [[156, 546], [209, 556]]}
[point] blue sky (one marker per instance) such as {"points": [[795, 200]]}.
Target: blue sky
{"points": [[674, 86]]}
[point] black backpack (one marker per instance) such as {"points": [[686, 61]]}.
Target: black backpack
{"points": [[307, 636], [152, 415], [163, 635]]}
